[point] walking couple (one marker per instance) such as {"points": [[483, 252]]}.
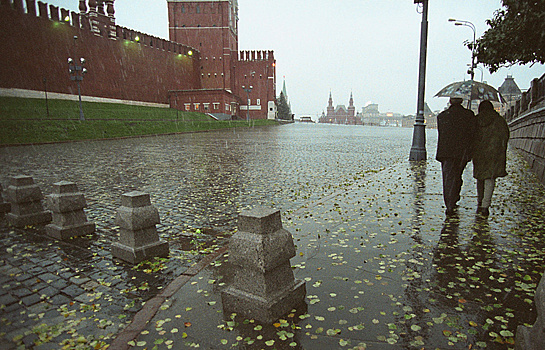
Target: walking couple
{"points": [[464, 137]]}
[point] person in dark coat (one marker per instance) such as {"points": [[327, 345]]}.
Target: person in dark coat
{"points": [[489, 157], [457, 127]]}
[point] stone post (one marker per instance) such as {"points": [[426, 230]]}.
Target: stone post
{"points": [[264, 287], [26, 202], [534, 338], [4, 207], [69, 219], [138, 235]]}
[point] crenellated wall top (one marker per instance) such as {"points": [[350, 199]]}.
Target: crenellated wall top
{"points": [[249, 56], [87, 20]]}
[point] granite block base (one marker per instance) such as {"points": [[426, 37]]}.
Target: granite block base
{"points": [[139, 254], [62, 233], [21, 221], [4, 208], [263, 310]]}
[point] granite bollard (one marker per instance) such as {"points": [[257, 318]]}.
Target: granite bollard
{"points": [[139, 239], [264, 287], [534, 338], [5, 207], [26, 202], [69, 219]]}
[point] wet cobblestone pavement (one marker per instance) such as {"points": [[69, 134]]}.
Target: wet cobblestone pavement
{"points": [[67, 292], [386, 270], [383, 267]]}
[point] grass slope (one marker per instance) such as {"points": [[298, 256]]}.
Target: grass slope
{"points": [[25, 120]]}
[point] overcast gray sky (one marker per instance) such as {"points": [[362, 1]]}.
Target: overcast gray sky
{"points": [[367, 47]]}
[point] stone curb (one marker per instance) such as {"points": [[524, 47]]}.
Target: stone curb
{"points": [[150, 308]]}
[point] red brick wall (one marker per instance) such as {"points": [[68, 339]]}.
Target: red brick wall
{"points": [[256, 69], [33, 48], [206, 25], [211, 26]]}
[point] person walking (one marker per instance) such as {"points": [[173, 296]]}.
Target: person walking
{"points": [[457, 127], [489, 157]]}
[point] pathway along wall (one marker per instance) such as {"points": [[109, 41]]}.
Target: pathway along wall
{"points": [[528, 127], [35, 45]]}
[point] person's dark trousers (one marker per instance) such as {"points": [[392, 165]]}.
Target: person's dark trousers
{"points": [[480, 192], [452, 170]]}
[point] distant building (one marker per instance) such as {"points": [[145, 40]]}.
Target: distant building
{"points": [[510, 92], [306, 119], [430, 119], [370, 114], [509, 89], [340, 114]]}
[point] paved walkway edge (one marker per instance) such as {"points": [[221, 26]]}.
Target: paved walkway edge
{"points": [[150, 308]]}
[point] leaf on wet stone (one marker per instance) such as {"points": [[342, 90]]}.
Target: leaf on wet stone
{"points": [[438, 320], [415, 327], [506, 333], [333, 332]]}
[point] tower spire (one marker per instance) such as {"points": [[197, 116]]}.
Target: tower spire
{"points": [[284, 91]]}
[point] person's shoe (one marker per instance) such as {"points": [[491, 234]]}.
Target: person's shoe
{"points": [[482, 211]]}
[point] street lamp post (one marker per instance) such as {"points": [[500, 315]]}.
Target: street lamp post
{"points": [[418, 149], [471, 71], [470, 25], [248, 90], [77, 71]]}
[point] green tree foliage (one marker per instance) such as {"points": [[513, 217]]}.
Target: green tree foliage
{"points": [[516, 35], [284, 110]]}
